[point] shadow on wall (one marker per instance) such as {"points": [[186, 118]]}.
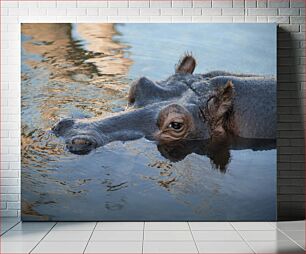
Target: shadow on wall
{"points": [[290, 142]]}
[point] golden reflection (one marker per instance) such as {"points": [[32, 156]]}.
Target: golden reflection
{"points": [[100, 39], [64, 73]]}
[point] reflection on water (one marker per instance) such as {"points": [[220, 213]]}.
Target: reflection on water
{"points": [[84, 70]]}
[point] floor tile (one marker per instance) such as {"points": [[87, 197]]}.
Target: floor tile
{"points": [[273, 224], [120, 226], [253, 226], [69, 236], [223, 247], [124, 236], [3, 230], [216, 236], [291, 225], [17, 247], [60, 247], [276, 247], [22, 236], [301, 243], [168, 236], [296, 235], [63, 226], [33, 226], [166, 226], [211, 226], [9, 224], [114, 247], [169, 247], [273, 235], [5, 226]]}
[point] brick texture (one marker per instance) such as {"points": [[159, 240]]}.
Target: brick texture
{"points": [[289, 14]]}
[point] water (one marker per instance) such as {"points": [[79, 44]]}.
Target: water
{"points": [[239, 48], [84, 70]]}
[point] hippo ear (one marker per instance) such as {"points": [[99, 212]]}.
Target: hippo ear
{"points": [[186, 64], [219, 104]]}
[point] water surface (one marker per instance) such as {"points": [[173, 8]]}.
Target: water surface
{"points": [[84, 70]]}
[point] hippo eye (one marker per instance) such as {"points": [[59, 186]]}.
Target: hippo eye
{"points": [[176, 125]]}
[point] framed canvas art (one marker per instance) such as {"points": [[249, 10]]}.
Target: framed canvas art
{"points": [[154, 122]]}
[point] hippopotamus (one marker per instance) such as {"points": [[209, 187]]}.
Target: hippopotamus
{"points": [[213, 106]]}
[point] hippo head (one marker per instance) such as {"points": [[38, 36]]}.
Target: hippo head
{"points": [[168, 111]]}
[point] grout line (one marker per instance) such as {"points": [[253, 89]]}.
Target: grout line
{"points": [[143, 232], [90, 236], [291, 238], [273, 225], [232, 226], [193, 237], [42, 238], [247, 243], [10, 228]]}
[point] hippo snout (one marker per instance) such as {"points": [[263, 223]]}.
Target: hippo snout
{"points": [[81, 144], [59, 128], [80, 137]]}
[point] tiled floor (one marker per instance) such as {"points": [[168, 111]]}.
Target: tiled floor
{"points": [[152, 237]]}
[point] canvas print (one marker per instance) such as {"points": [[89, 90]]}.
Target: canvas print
{"points": [[154, 122]]}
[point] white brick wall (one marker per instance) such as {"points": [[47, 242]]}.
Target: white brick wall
{"points": [[289, 13]]}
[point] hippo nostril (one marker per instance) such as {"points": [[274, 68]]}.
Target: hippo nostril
{"points": [[80, 141], [81, 145]]}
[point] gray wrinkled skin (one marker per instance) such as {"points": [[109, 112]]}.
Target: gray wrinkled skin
{"points": [[254, 109]]}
